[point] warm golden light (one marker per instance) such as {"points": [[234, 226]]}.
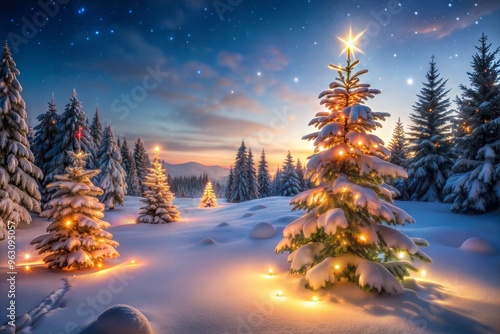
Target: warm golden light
{"points": [[99, 265], [360, 142], [279, 293], [341, 153], [157, 149], [315, 299], [356, 196], [362, 238], [344, 189], [337, 267], [375, 145], [401, 255], [423, 272], [27, 256], [27, 268], [68, 223], [270, 272], [133, 261], [350, 44]]}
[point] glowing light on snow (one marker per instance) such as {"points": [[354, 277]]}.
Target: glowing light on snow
{"points": [[401, 255], [99, 265], [27, 268], [27, 256], [279, 294], [423, 272], [270, 272], [132, 262], [315, 299], [350, 43]]}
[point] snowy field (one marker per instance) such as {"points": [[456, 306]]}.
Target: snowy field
{"points": [[207, 274]]}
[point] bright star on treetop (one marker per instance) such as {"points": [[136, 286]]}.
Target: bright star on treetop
{"points": [[350, 46]]}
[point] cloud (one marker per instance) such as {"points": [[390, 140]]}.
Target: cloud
{"points": [[273, 59], [230, 60]]}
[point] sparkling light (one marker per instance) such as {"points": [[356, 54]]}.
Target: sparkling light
{"points": [[350, 43], [133, 261], [337, 267], [423, 272], [27, 256], [68, 223], [401, 255], [315, 299], [362, 238], [270, 272]]}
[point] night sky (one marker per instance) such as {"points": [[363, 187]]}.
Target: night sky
{"points": [[196, 77]]}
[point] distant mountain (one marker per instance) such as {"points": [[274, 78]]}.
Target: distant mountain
{"points": [[216, 173]]}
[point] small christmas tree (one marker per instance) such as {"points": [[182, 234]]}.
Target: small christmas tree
{"points": [[345, 233], [158, 198], [208, 200], [112, 176], [289, 180], [76, 237], [398, 145]]}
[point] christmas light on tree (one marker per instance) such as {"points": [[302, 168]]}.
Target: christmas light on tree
{"points": [[346, 231], [208, 200]]}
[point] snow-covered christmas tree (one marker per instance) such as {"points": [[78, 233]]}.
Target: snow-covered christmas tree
{"points": [[240, 187], [128, 164], [299, 169], [475, 186], [346, 232], [96, 129], [18, 174], [290, 184], [142, 162], [398, 145], [112, 178], [208, 200], [253, 185], [263, 178], [76, 237], [430, 146], [158, 198], [45, 134], [229, 184]]}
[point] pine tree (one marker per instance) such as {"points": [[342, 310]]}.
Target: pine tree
{"points": [[289, 180], [45, 135], [18, 175], [76, 237], [264, 179], [345, 233], [208, 200], [96, 129], [73, 135], [112, 178], [128, 164], [229, 185], [430, 144], [142, 162], [158, 198], [277, 182], [300, 174], [475, 188], [240, 187], [253, 185], [398, 145]]}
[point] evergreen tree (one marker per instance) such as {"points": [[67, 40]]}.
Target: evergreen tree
{"points": [[264, 179], [475, 188], [96, 129], [73, 135], [253, 185], [142, 162], [345, 233], [277, 182], [158, 198], [398, 145], [45, 135], [208, 200], [229, 185], [112, 178], [430, 146], [76, 238], [300, 174], [240, 187], [18, 174], [289, 180], [128, 164]]}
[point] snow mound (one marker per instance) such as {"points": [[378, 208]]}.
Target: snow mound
{"points": [[7, 330], [248, 214], [208, 241], [257, 207], [263, 230], [477, 245], [223, 224], [120, 319]]}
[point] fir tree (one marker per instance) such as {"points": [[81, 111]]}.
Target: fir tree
{"points": [[475, 188], [158, 198], [430, 145], [253, 185], [128, 164], [264, 179], [276, 182], [112, 176], [240, 187], [289, 180], [300, 174], [76, 238], [343, 235], [96, 129], [18, 175], [45, 135], [208, 200], [73, 135], [229, 185], [142, 162], [398, 145]]}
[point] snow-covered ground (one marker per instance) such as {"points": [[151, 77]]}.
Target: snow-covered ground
{"points": [[207, 275]]}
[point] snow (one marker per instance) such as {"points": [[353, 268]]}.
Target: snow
{"points": [[478, 245], [182, 286], [120, 319], [262, 230]]}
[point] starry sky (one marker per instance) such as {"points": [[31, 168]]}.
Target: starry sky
{"points": [[195, 77]]}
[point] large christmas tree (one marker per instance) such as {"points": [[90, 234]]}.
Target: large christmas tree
{"points": [[18, 175], [76, 237], [158, 198], [475, 186], [430, 140], [346, 232], [112, 176]]}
